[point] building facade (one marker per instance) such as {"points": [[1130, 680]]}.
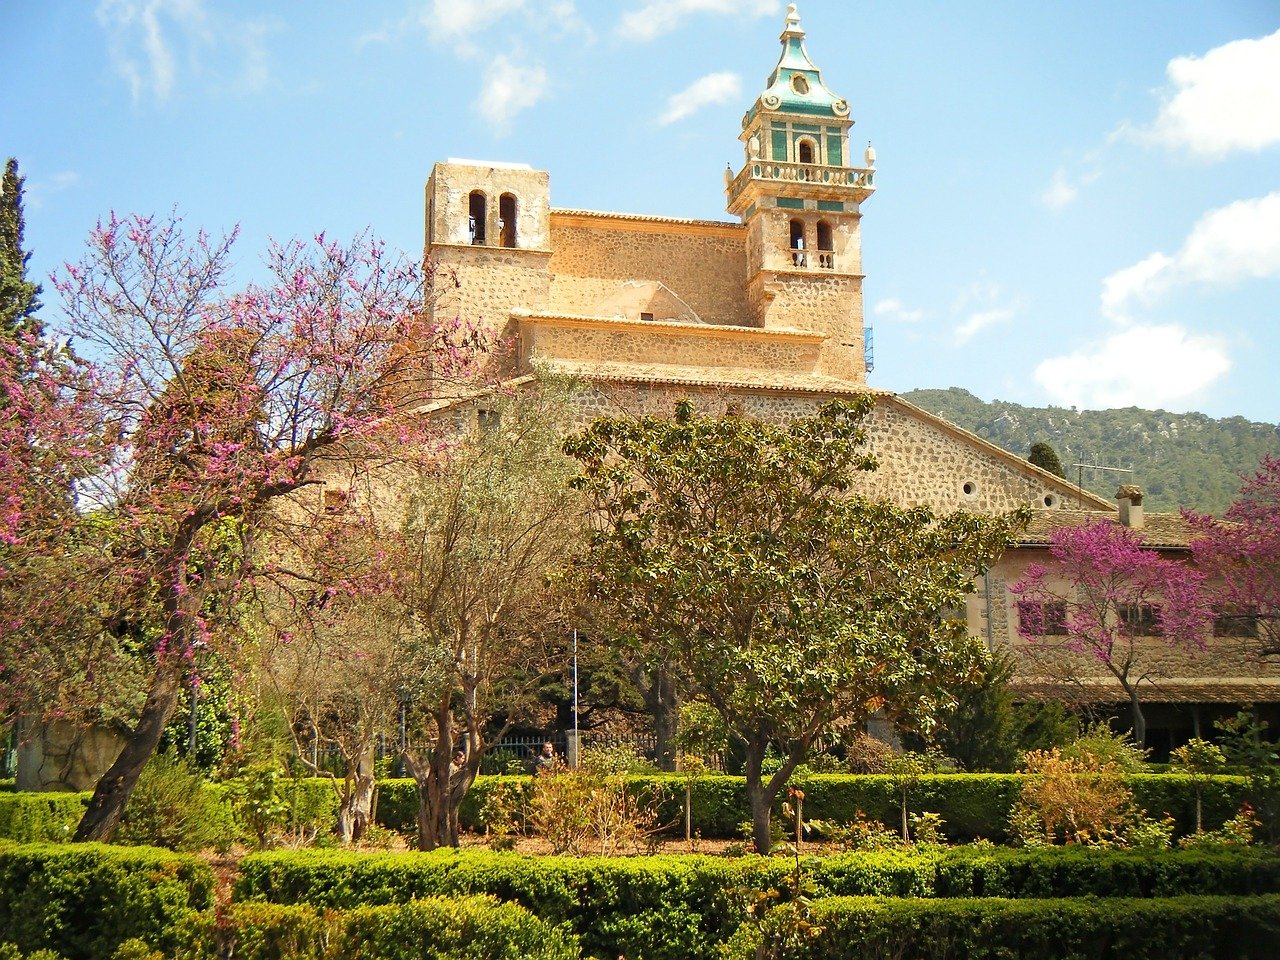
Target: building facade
{"points": [[763, 314]]}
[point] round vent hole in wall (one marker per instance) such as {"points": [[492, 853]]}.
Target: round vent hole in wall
{"points": [[970, 488], [1050, 500]]}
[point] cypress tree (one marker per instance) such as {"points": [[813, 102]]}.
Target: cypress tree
{"points": [[1045, 457], [18, 296]]}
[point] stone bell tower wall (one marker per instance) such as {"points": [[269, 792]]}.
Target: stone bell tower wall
{"points": [[702, 262]]}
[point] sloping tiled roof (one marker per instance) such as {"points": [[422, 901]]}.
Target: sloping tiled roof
{"points": [[1189, 690], [770, 380], [1168, 531]]}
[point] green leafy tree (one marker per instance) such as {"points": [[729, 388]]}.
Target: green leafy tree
{"points": [[734, 550], [1045, 457], [1199, 760], [19, 297]]}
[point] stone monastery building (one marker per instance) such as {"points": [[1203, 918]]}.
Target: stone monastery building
{"points": [[762, 314]]}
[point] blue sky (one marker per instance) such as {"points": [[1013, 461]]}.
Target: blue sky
{"points": [[1078, 203]]}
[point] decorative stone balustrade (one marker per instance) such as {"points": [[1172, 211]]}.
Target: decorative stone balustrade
{"points": [[859, 177]]}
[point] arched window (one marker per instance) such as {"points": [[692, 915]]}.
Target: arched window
{"points": [[507, 220], [798, 256], [826, 248], [804, 151], [477, 215]]}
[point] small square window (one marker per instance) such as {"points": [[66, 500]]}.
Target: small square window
{"points": [[1235, 622], [1140, 619], [333, 500], [487, 420], [1047, 618]]}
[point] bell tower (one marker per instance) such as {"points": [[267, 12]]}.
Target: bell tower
{"points": [[800, 198]]}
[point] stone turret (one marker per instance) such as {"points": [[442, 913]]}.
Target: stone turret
{"points": [[800, 198]]}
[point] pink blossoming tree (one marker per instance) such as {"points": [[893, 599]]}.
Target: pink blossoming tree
{"points": [[218, 409], [1120, 605], [1242, 557]]}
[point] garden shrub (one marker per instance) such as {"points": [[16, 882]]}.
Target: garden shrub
{"points": [[468, 928], [172, 806], [661, 907], [670, 906], [1209, 927], [84, 900], [40, 817]]}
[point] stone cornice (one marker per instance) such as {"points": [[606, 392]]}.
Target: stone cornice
{"points": [[640, 223], [714, 330]]}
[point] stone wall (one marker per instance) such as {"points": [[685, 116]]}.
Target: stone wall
{"points": [[703, 264], [921, 460], [709, 348]]}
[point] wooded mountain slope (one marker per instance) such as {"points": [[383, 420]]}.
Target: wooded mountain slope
{"points": [[1179, 459]]}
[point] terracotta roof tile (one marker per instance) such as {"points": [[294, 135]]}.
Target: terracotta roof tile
{"points": [[1159, 530]]}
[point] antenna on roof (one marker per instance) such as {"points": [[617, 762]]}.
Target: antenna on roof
{"points": [[1080, 468]]}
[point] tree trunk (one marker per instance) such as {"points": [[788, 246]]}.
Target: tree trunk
{"points": [[1139, 720], [906, 834], [356, 810], [110, 797], [666, 719]]}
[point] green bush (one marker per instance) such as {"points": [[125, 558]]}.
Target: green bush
{"points": [[84, 900], [1210, 927], [680, 906], [40, 817], [173, 807], [469, 928], [657, 907]]}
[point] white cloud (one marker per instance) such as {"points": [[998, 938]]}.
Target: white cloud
{"points": [[1060, 192], [712, 89], [657, 17], [35, 191], [981, 319], [1226, 101], [1063, 190], [983, 304], [1147, 366], [509, 89], [1240, 241], [153, 41], [451, 21], [892, 308]]}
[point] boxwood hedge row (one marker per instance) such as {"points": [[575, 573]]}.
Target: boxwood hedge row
{"points": [[1202, 927], [83, 900], [972, 805], [462, 928], [670, 906]]}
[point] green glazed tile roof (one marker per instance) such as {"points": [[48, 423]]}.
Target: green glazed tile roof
{"points": [[796, 86]]}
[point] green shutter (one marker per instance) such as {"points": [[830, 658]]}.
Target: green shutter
{"points": [[780, 145], [835, 154]]}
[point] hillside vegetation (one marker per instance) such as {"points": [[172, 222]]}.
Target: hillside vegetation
{"points": [[1179, 459]]}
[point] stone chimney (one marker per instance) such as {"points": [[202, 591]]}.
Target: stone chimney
{"points": [[1129, 496]]}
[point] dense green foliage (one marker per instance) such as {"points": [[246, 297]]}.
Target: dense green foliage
{"points": [[35, 817], [971, 805], [432, 928], [1179, 459], [679, 906], [1230, 928], [732, 551], [18, 295], [83, 900]]}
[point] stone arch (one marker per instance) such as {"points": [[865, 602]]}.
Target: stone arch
{"points": [[508, 208], [477, 217]]}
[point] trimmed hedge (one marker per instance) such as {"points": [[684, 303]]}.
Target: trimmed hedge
{"points": [[672, 906], [40, 817], [661, 907], [467, 928], [1207, 927], [971, 804], [83, 900]]}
